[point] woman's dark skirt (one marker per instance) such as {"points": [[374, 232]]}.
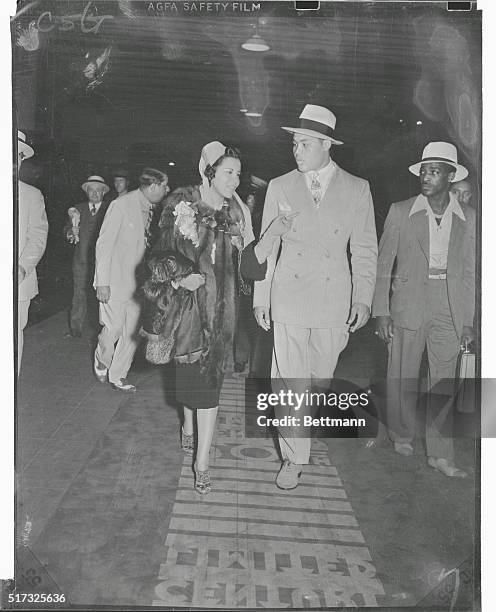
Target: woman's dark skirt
{"points": [[192, 389]]}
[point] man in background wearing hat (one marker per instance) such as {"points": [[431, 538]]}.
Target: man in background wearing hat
{"points": [[431, 239], [32, 237], [120, 250], [82, 230], [314, 301]]}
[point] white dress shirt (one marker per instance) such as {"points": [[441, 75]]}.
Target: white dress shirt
{"points": [[323, 175], [439, 233], [96, 205]]}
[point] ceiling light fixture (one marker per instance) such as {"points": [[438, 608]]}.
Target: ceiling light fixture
{"points": [[255, 43], [253, 114], [172, 164]]}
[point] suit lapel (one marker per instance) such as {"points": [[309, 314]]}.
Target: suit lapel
{"points": [[299, 192], [456, 238], [331, 187], [420, 224]]}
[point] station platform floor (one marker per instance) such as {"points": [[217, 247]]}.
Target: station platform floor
{"points": [[106, 513]]}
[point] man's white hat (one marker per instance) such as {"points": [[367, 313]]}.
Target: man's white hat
{"points": [[316, 121], [95, 180], [22, 146], [441, 152]]}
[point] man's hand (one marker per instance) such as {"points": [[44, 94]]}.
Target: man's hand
{"points": [[282, 224], [103, 294], [192, 282], [21, 274], [359, 315], [468, 336], [262, 316], [384, 328]]}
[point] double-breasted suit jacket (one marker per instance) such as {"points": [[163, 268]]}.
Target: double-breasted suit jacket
{"points": [[310, 284], [403, 267], [121, 246]]}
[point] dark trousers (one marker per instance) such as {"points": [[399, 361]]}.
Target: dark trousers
{"points": [[83, 297]]}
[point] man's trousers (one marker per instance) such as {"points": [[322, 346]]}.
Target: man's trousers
{"points": [[437, 332], [22, 320], [120, 322], [301, 358]]}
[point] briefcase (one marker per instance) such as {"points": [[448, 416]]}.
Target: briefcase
{"points": [[465, 382]]}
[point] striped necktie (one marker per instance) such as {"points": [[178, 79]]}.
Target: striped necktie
{"points": [[93, 210]]}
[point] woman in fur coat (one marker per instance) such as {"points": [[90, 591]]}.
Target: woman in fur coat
{"points": [[205, 224]]}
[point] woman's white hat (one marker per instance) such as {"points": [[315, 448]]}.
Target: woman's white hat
{"points": [[95, 180], [209, 155], [22, 146], [316, 121], [441, 152]]}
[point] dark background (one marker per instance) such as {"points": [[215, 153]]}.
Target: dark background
{"points": [[397, 75]]}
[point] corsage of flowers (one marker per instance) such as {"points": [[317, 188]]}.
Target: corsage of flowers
{"points": [[186, 221]]}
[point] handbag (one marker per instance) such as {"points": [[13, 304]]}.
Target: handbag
{"points": [[182, 337], [158, 351], [465, 382]]}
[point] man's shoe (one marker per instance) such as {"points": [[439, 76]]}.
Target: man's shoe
{"points": [[123, 386], [239, 366], [101, 372], [288, 475], [446, 467], [403, 448], [76, 333]]}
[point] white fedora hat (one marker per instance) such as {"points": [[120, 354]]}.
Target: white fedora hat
{"points": [[316, 121], [441, 152], [22, 146], [95, 180]]}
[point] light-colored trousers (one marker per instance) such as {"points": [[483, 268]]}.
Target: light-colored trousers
{"points": [[22, 320], [303, 357], [120, 322], [437, 332]]}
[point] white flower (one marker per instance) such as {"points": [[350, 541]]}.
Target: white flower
{"points": [[186, 221], [74, 216]]}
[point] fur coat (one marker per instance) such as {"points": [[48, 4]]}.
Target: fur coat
{"points": [[208, 238]]}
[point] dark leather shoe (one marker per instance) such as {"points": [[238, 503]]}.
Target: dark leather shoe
{"points": [[123, 386]]}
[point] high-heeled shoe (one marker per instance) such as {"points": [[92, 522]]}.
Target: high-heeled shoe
{"points": [[203, 485], [187, 442]]}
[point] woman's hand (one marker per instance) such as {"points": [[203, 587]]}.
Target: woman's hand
{"points": [[192, 282]]}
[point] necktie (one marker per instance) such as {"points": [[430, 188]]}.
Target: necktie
{"points": [[316, 188], [93, 209]]}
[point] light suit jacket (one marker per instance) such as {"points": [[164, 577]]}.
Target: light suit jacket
{"points": [[405, 242], [310, 285], [121, 245], [33, 232]]}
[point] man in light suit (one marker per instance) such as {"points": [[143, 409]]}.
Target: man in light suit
{"points": [[430, 239], [313, 299], [33, 232], [120, 249]]}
